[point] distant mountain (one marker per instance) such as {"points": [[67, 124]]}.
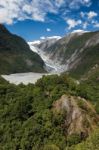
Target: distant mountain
{"points": [[45, 43], [76, 53], [40, 47], [49, 41], [16, 56]]}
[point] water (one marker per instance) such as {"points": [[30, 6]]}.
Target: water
{"points": [[24, 78]]}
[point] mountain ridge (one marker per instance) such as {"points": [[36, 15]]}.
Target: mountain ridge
{"points": [[69, 52], [16, 56]]}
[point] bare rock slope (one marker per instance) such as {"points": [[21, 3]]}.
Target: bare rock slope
{"points": [[79, 115]]}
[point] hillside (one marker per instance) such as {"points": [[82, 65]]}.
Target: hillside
{"points": [[40, 47], [89, 86], [76, 53], [16, 56], [50, 115], [79, 115], [57, 112]]}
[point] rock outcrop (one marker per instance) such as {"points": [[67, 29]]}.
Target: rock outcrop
{"points": [[79, 115]]}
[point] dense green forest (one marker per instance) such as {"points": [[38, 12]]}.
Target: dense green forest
{"points": [[28, 120]]}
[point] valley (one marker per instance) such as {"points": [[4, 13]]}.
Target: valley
{"points": [[49, 92], [49, 74], [76, 53], [24, 78], [75, 59]]}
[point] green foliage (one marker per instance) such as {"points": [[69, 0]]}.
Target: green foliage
{"points": [[88, 55], [89, 59], [16, 56], [89, 88], [73, 139], [27, 121], [51, 147], [27, 118], [92, 143]]}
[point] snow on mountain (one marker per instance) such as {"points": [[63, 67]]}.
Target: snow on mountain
{"points": [[38, 47], [79, 31], [35, 42], [34, 46], [64, 54], [48, 66], [54, 37], [50, 39]]}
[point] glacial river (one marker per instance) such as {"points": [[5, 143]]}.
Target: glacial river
{"points": [[24, 78]]}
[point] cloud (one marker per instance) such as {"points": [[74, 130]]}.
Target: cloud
{"points": [[87, 2], [96, 25], [85, 25], [48, 30], [59, 2], [91, 14], [38, 10], [88, 19], [50, 37], [42, 37], [79, 31], [82, 14], [78, 3], [11, 10], [72, 23]]}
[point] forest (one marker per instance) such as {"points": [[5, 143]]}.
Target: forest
{"points": [[29, 123]]}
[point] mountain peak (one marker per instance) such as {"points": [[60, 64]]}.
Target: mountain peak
{"points": [[15, 54], [79, 31], [3, 29]]}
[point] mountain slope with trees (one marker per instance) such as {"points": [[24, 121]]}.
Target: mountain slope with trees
{"points": [[37, 117], [76, 53], [16, 56]]}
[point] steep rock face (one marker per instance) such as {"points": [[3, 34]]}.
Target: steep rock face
{"points": [[79, 115], [71, 49], [16, 56], [77, 52], [45, 44], [40, 48]]}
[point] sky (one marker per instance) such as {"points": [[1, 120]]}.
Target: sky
{"points": [[38, 19]]}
